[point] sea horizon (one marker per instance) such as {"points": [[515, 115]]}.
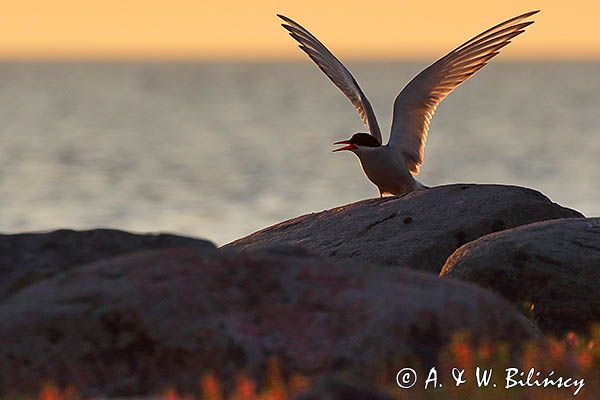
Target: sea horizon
{"points": [[221, 149]]}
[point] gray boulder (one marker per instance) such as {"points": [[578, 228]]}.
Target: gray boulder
{"points": [[136, 323], [28, 257], [418, 230], [554, 265]]}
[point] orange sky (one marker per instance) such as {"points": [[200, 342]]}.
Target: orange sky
{"points": [[237, 29]]}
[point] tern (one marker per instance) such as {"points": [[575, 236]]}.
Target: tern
{"points": [[393, 167]]}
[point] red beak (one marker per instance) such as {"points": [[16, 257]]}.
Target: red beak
{"points": [[350, 146]]}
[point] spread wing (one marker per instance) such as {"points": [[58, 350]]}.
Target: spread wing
{"points": [[336, 71], [416, 103]]}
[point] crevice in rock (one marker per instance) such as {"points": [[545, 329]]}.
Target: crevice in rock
{"points": [[371, 226]]}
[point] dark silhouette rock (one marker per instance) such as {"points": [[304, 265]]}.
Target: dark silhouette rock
{"points": [[554, 265], [28, 257], [418, 230], [340, 388], [138, 322]]}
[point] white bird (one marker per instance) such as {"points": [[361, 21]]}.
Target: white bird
{"points": [[392, 167]]}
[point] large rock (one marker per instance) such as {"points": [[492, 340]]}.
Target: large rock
{"points": [[28, 257], [138, 322], [338, 388], [418, 230], [554, 265]]}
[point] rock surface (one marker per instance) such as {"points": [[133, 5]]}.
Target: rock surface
{"points": [[338, 388], [418, 230], [28, 257], [135, 323], [555, 265]]}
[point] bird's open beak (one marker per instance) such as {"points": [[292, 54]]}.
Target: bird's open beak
{"points": [[350, 146]]}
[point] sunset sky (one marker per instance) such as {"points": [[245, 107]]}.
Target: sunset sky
{"points": [[241, 29]]}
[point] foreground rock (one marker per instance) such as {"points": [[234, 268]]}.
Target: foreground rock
{"points": [[555, 265], [28, 257], [338, 388], [139, 322], [418, 230]]}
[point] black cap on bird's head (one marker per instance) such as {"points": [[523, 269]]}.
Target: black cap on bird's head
{"points": [[358, 140]]}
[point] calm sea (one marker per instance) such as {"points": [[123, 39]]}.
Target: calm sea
{"points": [[219, 150]]}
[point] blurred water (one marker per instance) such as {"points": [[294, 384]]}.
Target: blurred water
{"points": [[220, 150]]}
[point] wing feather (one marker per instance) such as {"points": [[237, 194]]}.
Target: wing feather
{"points": [[415, 105], [335, 71]]}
